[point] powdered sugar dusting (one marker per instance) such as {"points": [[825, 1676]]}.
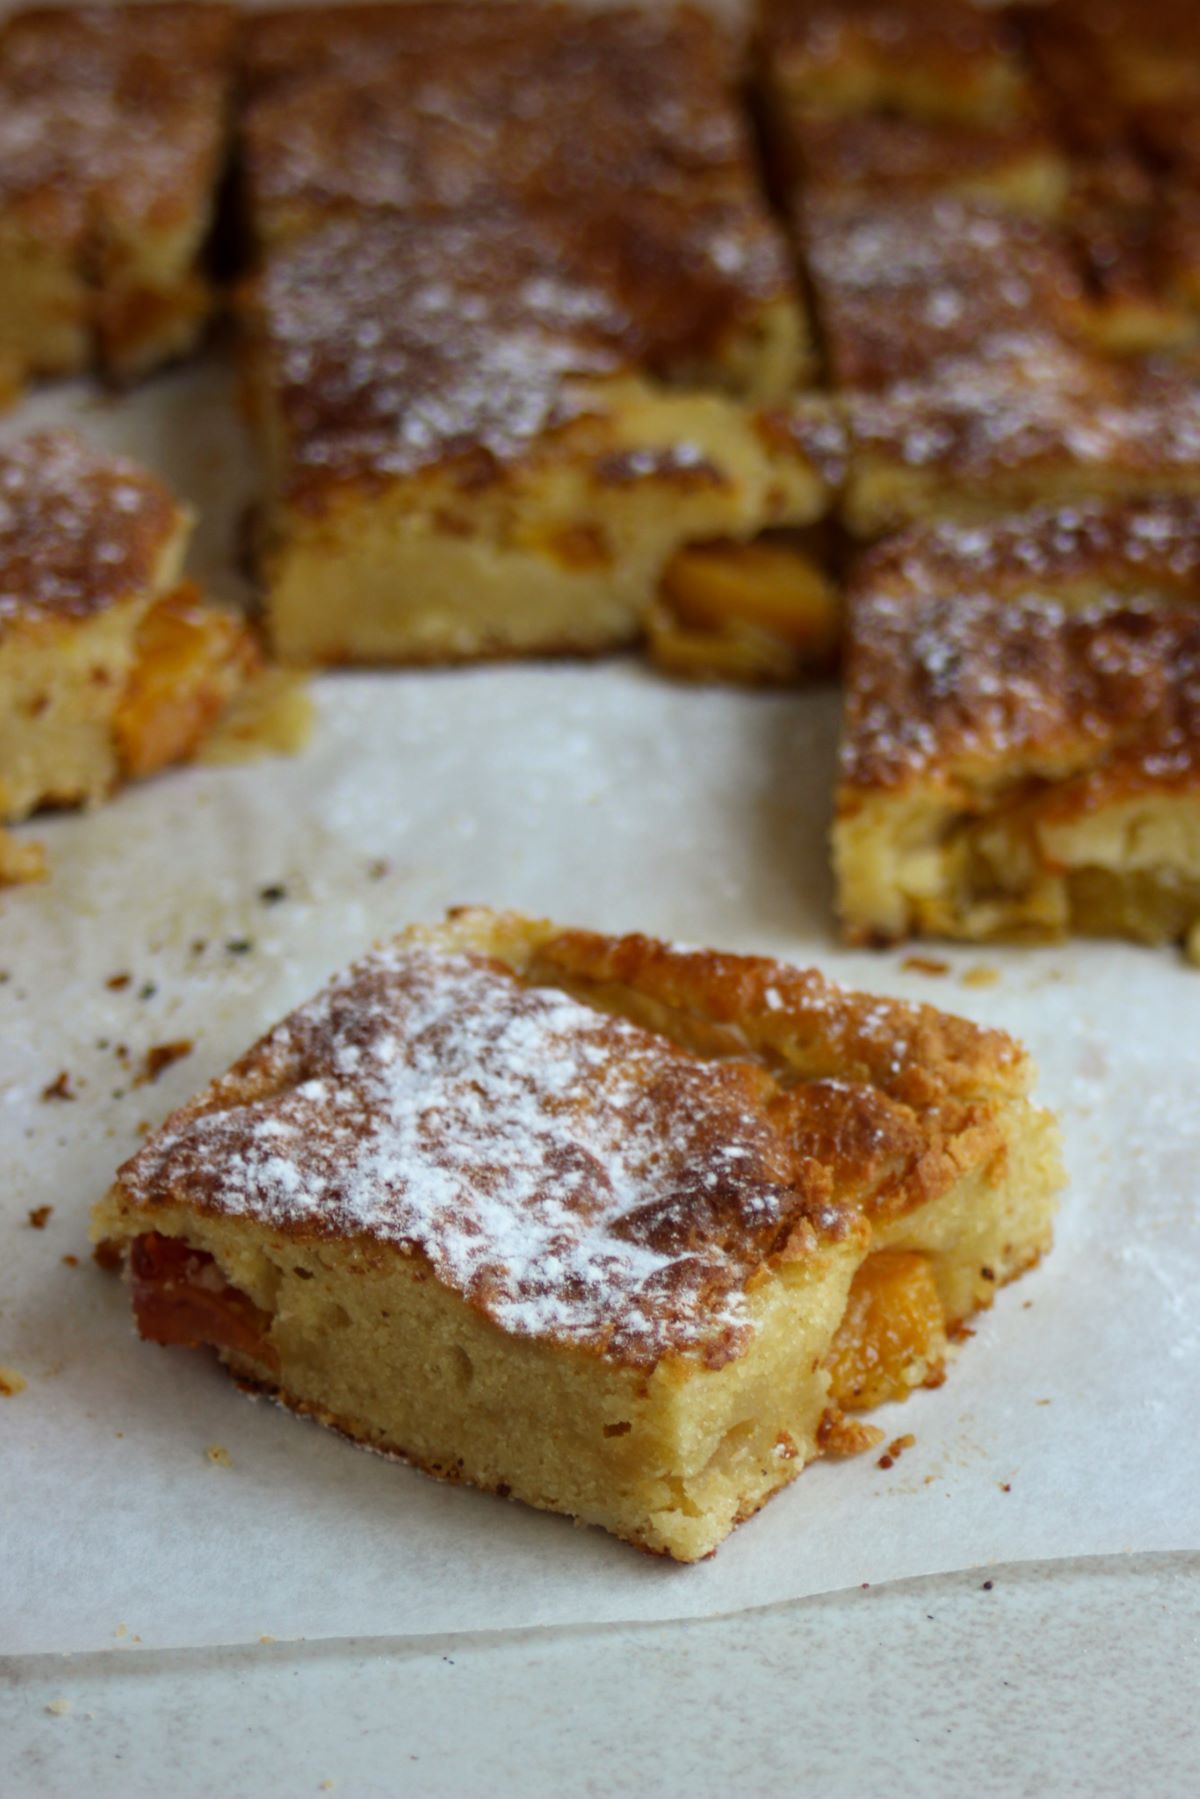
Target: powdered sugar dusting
{"points": [[568, 1172], [78, 528], [1069, 633]]}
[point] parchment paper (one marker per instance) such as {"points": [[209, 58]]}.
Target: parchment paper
{"points": [[600, 795]]}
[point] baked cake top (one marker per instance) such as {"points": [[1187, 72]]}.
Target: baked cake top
{"points": [[116, 105], [885, 154], [447, 117], [397, 343], [1091, 549], [1065, 642], [1140, 55], [79, 529], [944, 58], [571, 1173], [1037, 403], [653, 200], [287, 46], [906, 285]]}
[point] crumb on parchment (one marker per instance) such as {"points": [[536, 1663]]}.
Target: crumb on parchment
{"points": [[11, 1383], [925, 965], [219, 1456], [21, 861], [161, 1056], [841, 1436]]}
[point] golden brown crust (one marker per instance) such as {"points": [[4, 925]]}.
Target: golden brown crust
{"points": [[283, 47], [797, 1019], [466, 136], [253, 1382], [906, 286], [939, 58], [74, 80], [882, 155], [410, 1106], [995, 433], [80, 530], [428, 119], [1118, 83], [1061, 648], [391, 345]]}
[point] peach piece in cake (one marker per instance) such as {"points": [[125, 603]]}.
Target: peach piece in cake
{"points": [[582, 1220], [766, 611], [1021, 752], [469, 452]]}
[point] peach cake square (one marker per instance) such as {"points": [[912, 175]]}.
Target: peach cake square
{"points": [[618, 1229], [1021, 749], [111, 665], [113, 129], [469, 452]]}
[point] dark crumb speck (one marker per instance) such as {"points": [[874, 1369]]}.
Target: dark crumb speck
{"points": [[987, 1586], [274, 894], [148, 990], [70, 1261], [378, 869], [239, 946], [5, 976], [59, 1087], [117, 982], [39, 1216], [895, 1450], [1006, 1486], [160, 1056], [199, 945]]}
